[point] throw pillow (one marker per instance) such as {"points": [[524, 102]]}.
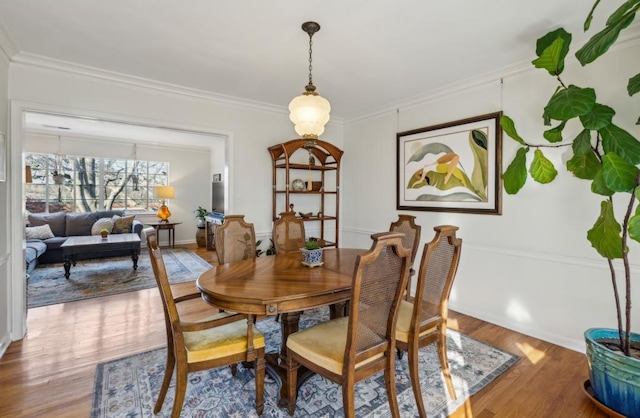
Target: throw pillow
{"points": [[57, 221], [102, 223], [122, 224], [38, 232]]}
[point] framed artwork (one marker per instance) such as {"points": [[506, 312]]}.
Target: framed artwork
{"points": [[3, 157], [452, 167]]}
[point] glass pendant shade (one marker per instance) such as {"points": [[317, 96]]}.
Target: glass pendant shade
{"points": [[309, 113]]}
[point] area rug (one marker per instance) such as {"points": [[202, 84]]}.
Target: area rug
{"points": [[108, 276], [129, 387]]}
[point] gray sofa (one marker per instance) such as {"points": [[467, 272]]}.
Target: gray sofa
{"points": [[63, 225]]}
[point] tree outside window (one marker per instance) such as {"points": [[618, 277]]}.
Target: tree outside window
{"points": [[62, 183]]}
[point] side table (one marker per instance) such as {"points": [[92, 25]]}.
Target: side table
{"points": [[168, 226]]}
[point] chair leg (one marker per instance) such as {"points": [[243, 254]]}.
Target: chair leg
{"points": [[390, 381], [444, 362], [181, 389], [259, 370], [234, 369], [348, 400], [168, 374], [412, 354], [292, 382]]}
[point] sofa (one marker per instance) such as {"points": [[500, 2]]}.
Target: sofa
{"points": [[43, 243]]}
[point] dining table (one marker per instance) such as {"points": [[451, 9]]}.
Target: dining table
{"points": [[282, 285]]}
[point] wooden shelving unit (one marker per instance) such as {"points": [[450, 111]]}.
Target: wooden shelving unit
{"points": [[294, 160]]}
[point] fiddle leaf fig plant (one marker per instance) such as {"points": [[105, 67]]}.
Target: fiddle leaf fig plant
{"points": [[602, 152]]}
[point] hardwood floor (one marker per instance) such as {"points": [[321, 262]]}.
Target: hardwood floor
{"points": [[51, 372]]}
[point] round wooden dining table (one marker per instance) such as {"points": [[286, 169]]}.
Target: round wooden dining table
{"points": [[280, 284]]}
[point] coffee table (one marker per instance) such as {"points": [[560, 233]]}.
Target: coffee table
{"points": [[88, 244]]}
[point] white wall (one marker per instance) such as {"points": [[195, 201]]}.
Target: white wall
{"points": [[532, 268], [5, 261]]}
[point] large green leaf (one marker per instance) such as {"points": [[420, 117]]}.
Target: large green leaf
{"points": [[587, 22], [552, 58], [542, 170], [554, 134], [510, 129], [634, 85], [601, 41], [515, 175], [480, 173], [629, 6], [618, 174], [605, 233], [621, 142], [582, 143], [599, 187], [598, 117], [551, 50], [584, 166], [634, 226], [570, 102]]}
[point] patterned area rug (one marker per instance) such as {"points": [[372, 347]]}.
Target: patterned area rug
{"points": [[108, 276], [129, 387]]}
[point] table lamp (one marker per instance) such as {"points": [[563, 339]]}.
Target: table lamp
{"points": [[164, 192]]}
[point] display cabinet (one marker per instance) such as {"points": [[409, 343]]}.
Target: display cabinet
{"points": [[306, 179]]}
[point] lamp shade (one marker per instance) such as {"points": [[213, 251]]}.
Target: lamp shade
{"points": [[165, 192], [309, 113]]}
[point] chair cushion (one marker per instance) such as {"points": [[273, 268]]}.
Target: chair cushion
{"points": [[79, 224], [220, 341], [102, 223], [57, 221], [404, 322], [122, 224], [324, 344], [38, 232]]}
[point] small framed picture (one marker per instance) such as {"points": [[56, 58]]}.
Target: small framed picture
{"points": [[3, 157], [217, 177]]}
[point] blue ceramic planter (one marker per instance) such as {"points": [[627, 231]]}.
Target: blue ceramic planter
{"points": [[615, 378], [312, 257]]}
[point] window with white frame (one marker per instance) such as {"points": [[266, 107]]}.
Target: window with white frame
{"points": [[87, 184]]}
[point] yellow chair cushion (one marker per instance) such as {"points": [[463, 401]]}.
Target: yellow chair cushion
{"points": [[324, 344], [220, 341], [404, 322]]}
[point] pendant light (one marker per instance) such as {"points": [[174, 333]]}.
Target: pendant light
{"points": [[310, 111]]}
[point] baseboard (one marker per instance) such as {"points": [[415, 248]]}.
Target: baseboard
{"points": [[4, 344]]}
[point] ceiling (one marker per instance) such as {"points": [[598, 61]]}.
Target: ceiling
{"points": [[369, 56]]}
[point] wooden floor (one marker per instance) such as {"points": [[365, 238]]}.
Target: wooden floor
{"points": [[51, 372]]}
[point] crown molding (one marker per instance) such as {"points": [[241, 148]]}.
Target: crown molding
{"points": [[628, 39], [39, 61], [8, 48]]}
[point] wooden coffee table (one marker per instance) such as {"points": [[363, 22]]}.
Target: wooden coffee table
{"points": [[88, 244]]}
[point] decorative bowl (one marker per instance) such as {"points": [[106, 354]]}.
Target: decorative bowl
{"points": [[315, 186], [305, 215]]}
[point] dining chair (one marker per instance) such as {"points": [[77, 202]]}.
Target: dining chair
{"points": [[223, 339], [406, 224], [425, 320], [288, 233], [349, 349], [235, 240]]}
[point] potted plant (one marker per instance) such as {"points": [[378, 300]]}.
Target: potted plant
{"points": [[201, 235], [58, 178], [104, 232], [312, 253], [607, 156]]}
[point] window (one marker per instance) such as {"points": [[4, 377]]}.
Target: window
{"points": [[87, 184]]}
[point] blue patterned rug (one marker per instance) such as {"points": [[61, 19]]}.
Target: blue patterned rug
{"points": [[128, 387], [108, 276]]}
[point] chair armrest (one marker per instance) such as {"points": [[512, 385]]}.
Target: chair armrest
{"points": [[212, 323]]}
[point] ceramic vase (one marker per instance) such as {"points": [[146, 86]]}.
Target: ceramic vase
{"points": [[615, 378]]}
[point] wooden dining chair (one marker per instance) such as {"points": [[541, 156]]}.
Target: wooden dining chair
{"points": [[425, 320], [288, 233], [406, 224], [224, 339], [235, 240], [349, 349]]}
